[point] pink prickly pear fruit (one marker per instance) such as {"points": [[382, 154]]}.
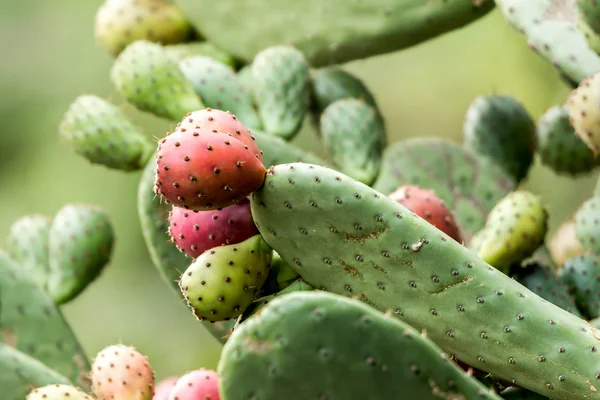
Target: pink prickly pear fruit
{"points": [[220, 121], [427, 205], [120, 372], [204, 170], [164, 387], [194, 232], [201, 384]]}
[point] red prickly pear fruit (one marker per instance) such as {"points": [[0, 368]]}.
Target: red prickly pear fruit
{"points": [[201, 384], [204, 170], [120, 372], [194, 232], [428, 206], [164, 387], [220, 121]]}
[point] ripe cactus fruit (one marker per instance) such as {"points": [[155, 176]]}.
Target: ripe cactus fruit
{"points": [[582, 275], [515, 229], [587, 225], [19, 373], [333, 83], [353, 133], [218, 86], [194, 232], [564, 243], [80, 246], [349, 359], [58, 392], [223, 281], [121, 22], [558, 146], [428, 206], [153, 214], [277, 151], [27, 244], [583, 105], [164, 387], [469, 184], [201, 384], [589, 11], [357, 242], [101, 133], [27, 310], [551, 31], [151, 80], [207, 49], [120, 372], [281, 89], [500, 128], [206, 170]]}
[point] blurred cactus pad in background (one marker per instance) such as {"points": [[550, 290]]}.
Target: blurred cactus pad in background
{"points": [[317, 199]]}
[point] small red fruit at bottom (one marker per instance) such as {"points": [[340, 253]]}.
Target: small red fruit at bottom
{"points": [[163, 388], [201, 384]]}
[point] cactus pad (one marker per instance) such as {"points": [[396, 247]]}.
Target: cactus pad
{"points": [[349, 359], [468, 184], [206, 49], [582, 275], [587, 225], [277, 151], [331, 32]]}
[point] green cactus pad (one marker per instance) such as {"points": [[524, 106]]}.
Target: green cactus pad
{"points": [[281, 89], [31, 323], [544, 282], [170, 262], [514, 230], [151, 80], [58, 392], [281, 275], [593, 39], [344, 237], [589, 11], [182, 51], [582, 275], [353, 133], [223, 281], [331, 32], [101, 133], [469, 184], [550, 28], [558, 146], [121, 22], [277, 151], [81, 245], [218, 87], [359, 353], [27, 244], [587, 225], [20, 373], [499, 127], [332, 84]]}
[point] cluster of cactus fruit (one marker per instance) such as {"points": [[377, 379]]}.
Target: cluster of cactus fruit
{"points": [[417, 269]]}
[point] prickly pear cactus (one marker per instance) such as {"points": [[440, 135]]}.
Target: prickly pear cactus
{"points": [[587, 225], [58, 392], [353, 134], [349, 359], [329, 33], [103, 134], [148, 78], [583, 111], [20, 373], [180, 52], [582, 275], [468, 184], [564, 243], [278, 151], [26, 310], [500, 128], [550, 28], [589, 11]]}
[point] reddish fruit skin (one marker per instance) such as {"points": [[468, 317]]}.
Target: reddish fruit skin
{"points": [[163, 388], [194, 232], [428, 206], [201, 384], [203, 170], [220, 121]]}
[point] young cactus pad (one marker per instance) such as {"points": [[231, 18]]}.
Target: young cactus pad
{"points": [[331, 32], [344, 237], [469, 184], [587, 227], [170, 262], [349, 359], [20, 373], [27, 311]]}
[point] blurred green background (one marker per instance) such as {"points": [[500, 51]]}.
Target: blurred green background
{"points": [[50, 57]]}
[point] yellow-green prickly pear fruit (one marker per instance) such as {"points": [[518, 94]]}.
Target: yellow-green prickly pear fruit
{"points": [[584, 111]]}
